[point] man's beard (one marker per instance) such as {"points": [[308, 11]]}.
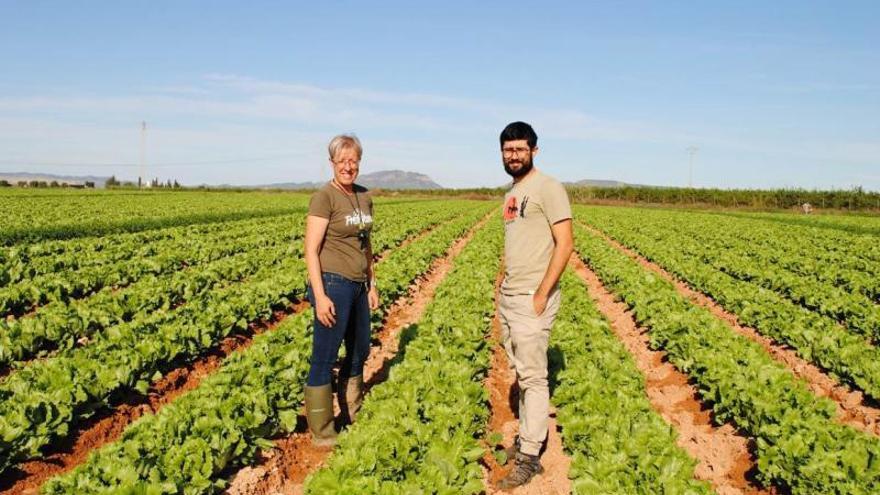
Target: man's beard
{"points": [[522, 170]]}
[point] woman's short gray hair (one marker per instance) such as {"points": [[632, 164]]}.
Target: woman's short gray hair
{"points": [[345, 141]]}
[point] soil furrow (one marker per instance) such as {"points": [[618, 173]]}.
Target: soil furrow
{"points": [[107, 426], [503, 419], [724, 457], [406, 242], [285, 468], [853, 407]]}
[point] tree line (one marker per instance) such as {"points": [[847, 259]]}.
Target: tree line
{"points": [[45, 184], [766, 199]]}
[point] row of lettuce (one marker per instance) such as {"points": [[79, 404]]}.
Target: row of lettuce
{"points": [[63, 284], [844, 350], [835, 280], [618, 443], [40, 402], [798, 442], [432, 410], [38, 216], [36, 273], [255, 394], [61, 324], [31, 263], [430, 413]]}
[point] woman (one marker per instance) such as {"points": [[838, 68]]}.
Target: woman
{"points": [[342, 288]]}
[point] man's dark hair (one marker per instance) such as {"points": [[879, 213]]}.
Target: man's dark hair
{"points": [[519, 130]]}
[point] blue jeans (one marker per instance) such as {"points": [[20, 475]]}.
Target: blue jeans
{"points": [[352, 326]]}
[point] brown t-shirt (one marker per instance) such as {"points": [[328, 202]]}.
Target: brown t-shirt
{"points": [[341, 252], [531, 207]]}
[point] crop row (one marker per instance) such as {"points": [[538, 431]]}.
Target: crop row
{"points": [[40, 257], [255, 394], [799, 444], [849, 250], [34, 217], [130, 355], [804, 279], [41, 401], [814, 337], [62, 324], [855, 310], [27, 261], [840, 263], [617, 442], [417, 432], [65, 285], [844, 244], [856, 224]]}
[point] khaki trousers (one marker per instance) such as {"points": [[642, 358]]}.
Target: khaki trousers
{"points": [[525, 336]]}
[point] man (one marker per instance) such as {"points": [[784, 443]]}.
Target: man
{"points": [[537, 245]]}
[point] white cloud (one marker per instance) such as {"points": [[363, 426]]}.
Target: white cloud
{"points": [[452, 139]]}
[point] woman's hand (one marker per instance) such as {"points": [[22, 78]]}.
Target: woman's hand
{"points": [[325, 310], [373, 298]]}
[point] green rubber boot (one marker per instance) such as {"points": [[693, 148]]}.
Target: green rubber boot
{"points": [[319, 414], [351, 396]]}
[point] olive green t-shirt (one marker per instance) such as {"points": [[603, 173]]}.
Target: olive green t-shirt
{"points": [[531, 207], [342, 252]]}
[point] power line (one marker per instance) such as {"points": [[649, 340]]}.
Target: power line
{"points": [[142, 177], [692, 151]]}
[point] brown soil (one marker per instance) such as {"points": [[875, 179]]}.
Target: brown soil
{"points": [[853, 408], [106, 427], [503, 400], [284, 469], [723, 456], [51, 351]]}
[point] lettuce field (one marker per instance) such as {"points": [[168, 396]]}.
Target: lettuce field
{"points": [[158, 343]]}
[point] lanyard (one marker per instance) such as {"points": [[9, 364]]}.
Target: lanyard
{"points": [[361, 224]]}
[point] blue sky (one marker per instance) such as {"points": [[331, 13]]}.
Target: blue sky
{"points": [[774, 94]]}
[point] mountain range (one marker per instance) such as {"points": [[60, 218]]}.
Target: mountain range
{"points": [[383, 179], [14, 177]]}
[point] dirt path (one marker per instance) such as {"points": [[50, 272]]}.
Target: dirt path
{"points": [[283, 470], [853, 408], [723, 457], [503, 399], [107, 426]]}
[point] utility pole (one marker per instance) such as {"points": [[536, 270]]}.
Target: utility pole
{"points": [[142, 176], [692, 151]]}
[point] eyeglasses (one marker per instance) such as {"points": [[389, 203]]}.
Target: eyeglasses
{"points": [[350, 162], [515, 151]]}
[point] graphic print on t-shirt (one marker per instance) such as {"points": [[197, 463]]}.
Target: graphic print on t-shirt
{"points": [[510, 209], [358, 217]]}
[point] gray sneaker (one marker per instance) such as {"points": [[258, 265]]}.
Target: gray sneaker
{"points": [[525, 467]]}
